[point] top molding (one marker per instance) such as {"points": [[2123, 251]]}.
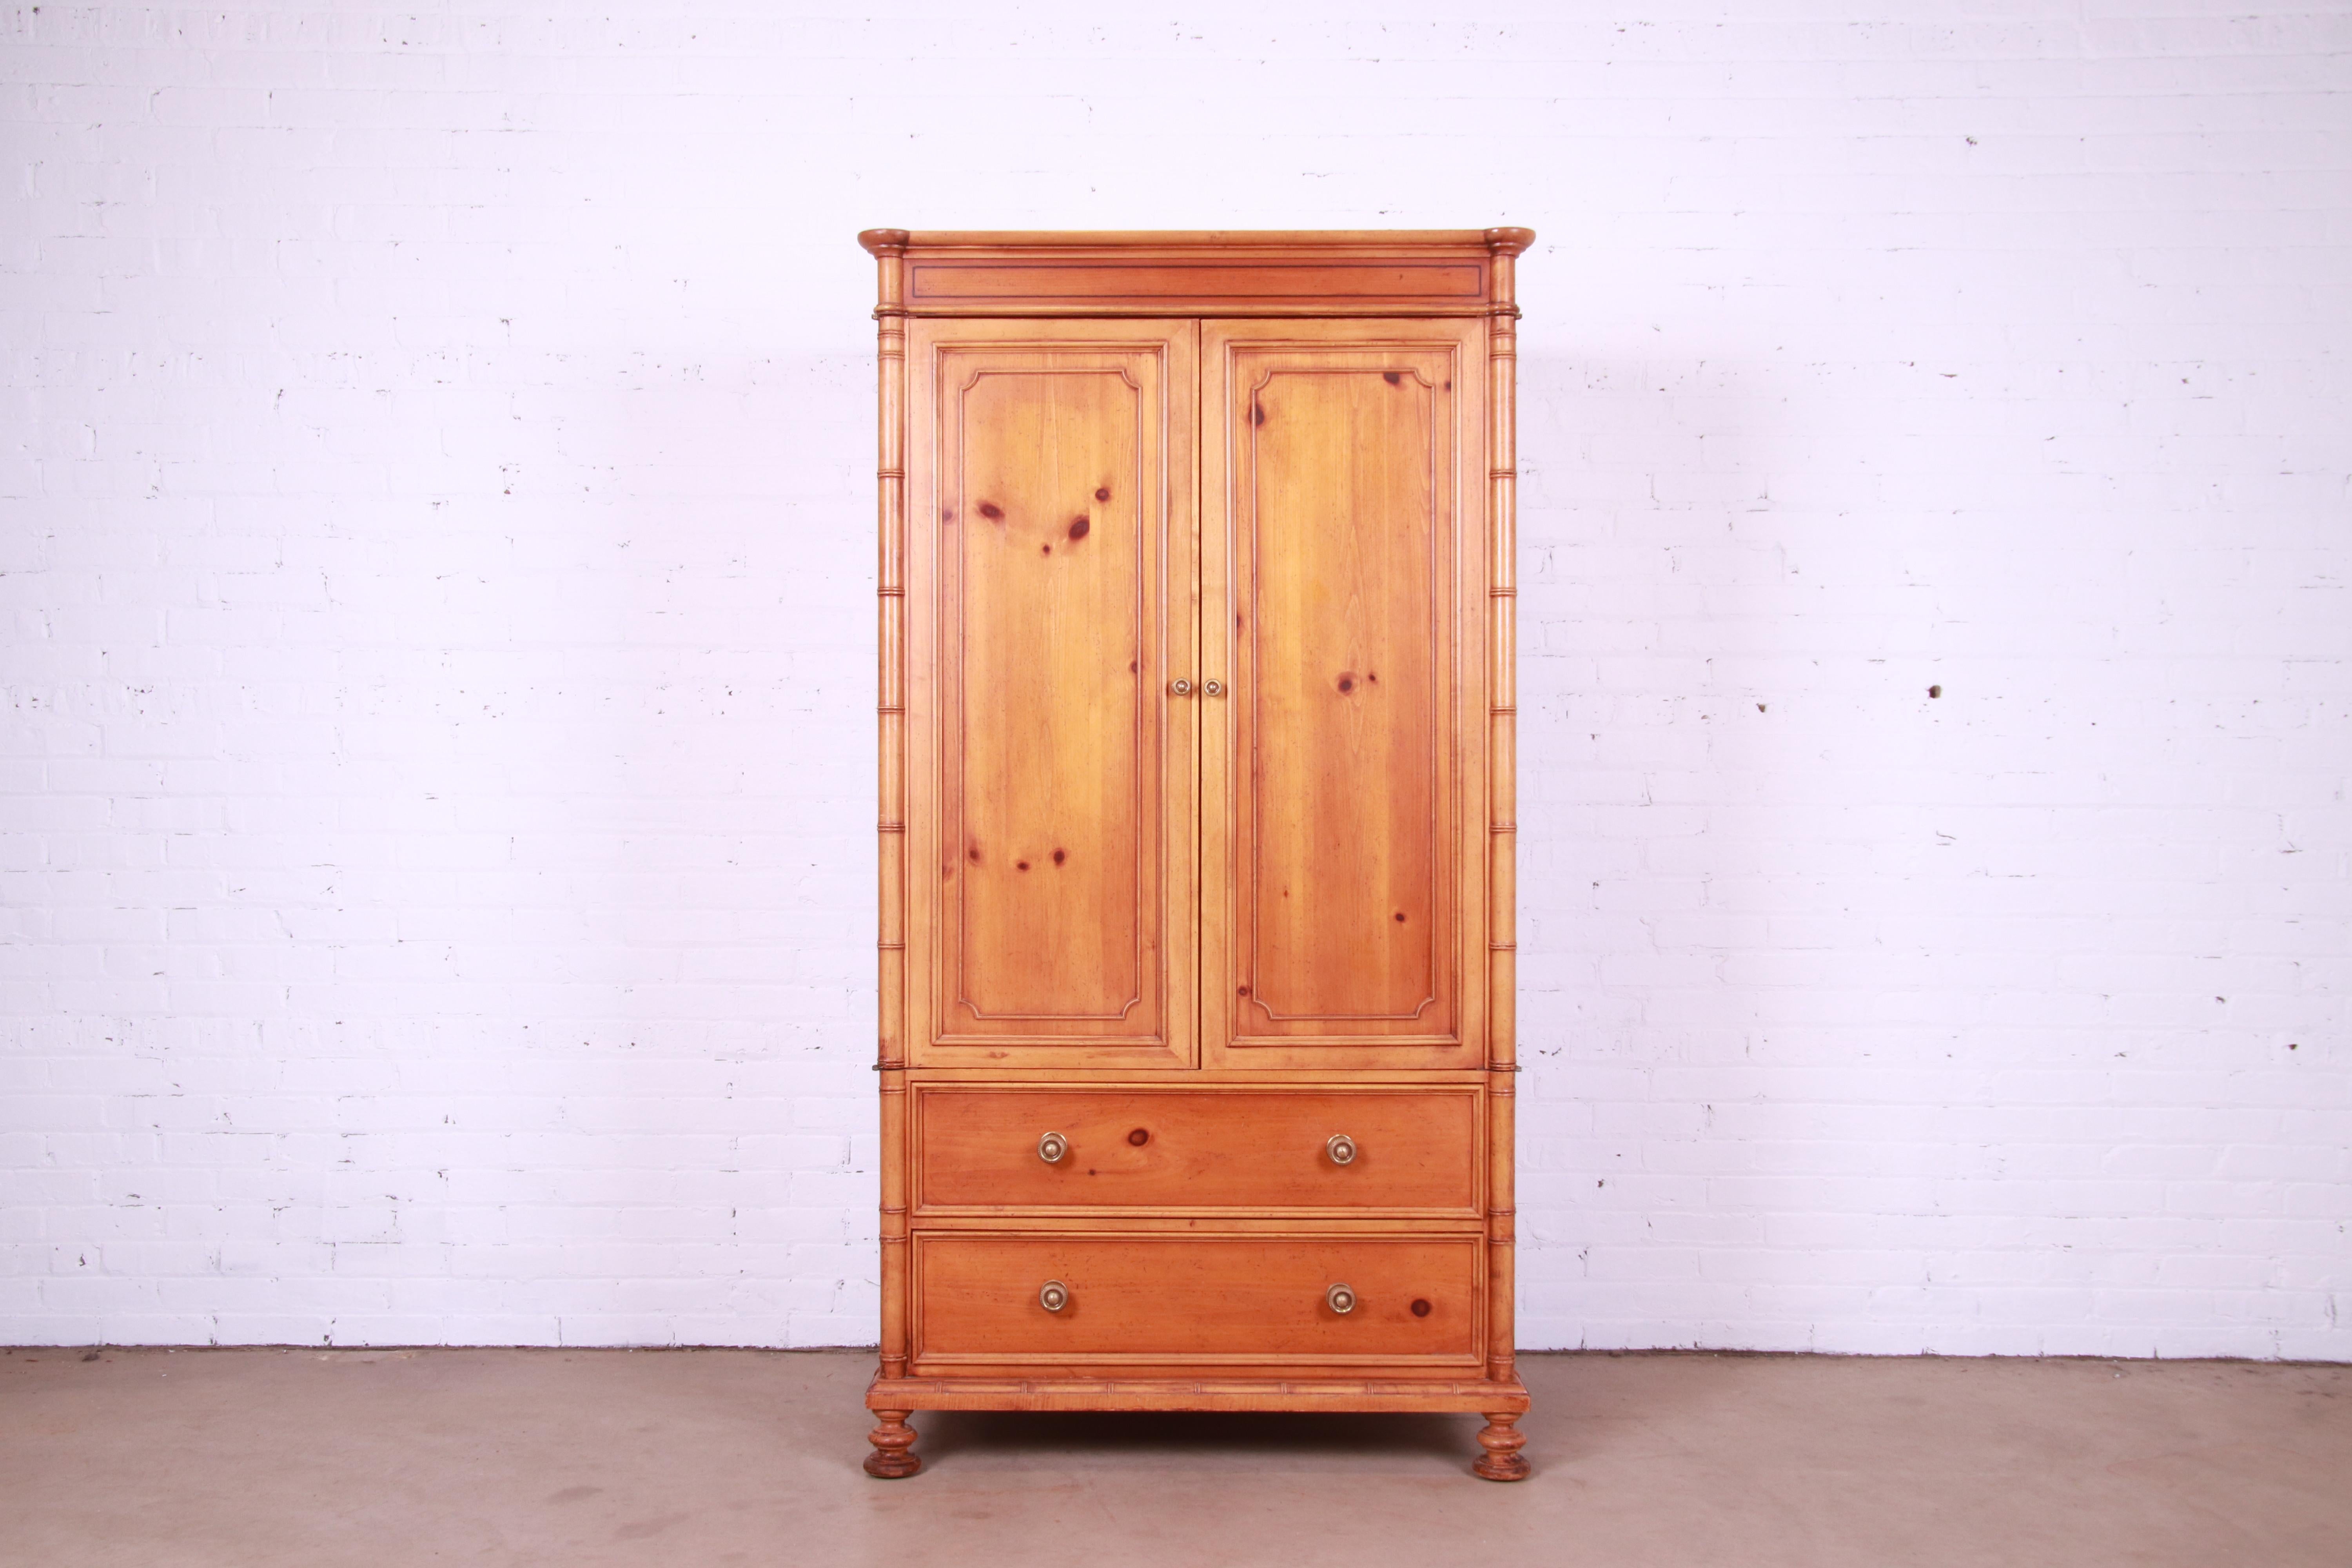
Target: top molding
{"points": [[1350, 272]]}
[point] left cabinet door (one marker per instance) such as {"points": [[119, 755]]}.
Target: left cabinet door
{"points": [[1052, 771]]}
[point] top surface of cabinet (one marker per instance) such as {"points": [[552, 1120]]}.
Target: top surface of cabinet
{"points": [[1344, 272]]}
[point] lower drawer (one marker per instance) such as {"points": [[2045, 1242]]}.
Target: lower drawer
{"points": [[1176, 1299]]}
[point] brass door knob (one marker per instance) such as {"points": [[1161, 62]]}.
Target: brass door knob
{"points": [[1212, 688], [1341, 1298], [1181, 687], [1054, 1295], [1341, 1148], [1052, 1147]]}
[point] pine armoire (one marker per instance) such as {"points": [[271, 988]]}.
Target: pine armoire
{"points": [[1197, 728]]}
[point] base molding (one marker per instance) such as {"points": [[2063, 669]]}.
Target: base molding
{"points": [[1369, 1395]]}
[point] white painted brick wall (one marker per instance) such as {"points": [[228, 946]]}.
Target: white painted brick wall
{"points": [[435, 475]]}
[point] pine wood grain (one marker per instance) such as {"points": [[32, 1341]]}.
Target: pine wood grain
{"points": [[1050, 567], [1197, 721], [1139, 1299], [1131, 1391], [1343, 572], [1238, 273], [1416, 1151]]}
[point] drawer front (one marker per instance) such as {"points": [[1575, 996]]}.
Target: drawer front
{"points": [[1171, 1299], [1413, 1151]]}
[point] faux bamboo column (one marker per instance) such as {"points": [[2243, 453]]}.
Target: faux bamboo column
{"points": [[892, 1438], [1502, 972]]}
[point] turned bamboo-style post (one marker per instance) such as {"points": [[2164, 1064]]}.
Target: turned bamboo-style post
{"points": [[892, 1456], [1501, 1440]]}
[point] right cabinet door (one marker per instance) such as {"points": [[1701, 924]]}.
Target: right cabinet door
{"points": [[1343, 613]]}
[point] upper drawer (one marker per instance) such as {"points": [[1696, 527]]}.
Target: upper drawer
{"points": [[1406, 1151]]}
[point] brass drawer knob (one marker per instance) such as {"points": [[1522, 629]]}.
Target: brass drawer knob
{"points": [[1052, 1147], [1053, 1295], [1212, 688], [1341, 1298], [1181, 687], [1341, 1148]]}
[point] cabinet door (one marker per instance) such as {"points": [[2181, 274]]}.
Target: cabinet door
{"points": [[1344, 606], [1052, 583]]}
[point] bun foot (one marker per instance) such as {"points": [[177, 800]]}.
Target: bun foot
{"points": [[1501, 1462], [893, 1457]]}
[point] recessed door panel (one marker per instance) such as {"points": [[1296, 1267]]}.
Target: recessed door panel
{"points": [[1051, 578], [1342, 586]]}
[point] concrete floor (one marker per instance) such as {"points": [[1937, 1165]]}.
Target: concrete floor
{"points": [[161, 1459]]}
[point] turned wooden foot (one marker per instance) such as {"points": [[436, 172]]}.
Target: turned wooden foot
{"points": [[893, 1457], [1502, 1441]]}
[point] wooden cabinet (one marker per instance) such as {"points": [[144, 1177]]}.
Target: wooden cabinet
{"points": [[1197, 821]]}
